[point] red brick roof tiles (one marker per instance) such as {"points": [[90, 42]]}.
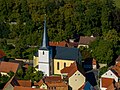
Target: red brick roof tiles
{"points": [[106, 82], [25, 83], [2, 54], [8, 66], [52, 81], [72, 69], [26, 88], [56, 84], [62, 44]]}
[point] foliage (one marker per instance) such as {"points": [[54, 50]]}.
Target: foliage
{"points": [[85, 53], [5, 78], [19, 74], [22, 22], [102, 50], [102, 70], [30, 74], [11, 73]]}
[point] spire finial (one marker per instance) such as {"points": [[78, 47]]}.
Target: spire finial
{"points": [[45, 38]]}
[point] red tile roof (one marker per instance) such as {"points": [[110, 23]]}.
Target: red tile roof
{"points": [[8, 66], [53, 81], [62, 43], [86, 40], [56, 84], [26, 88], [106, 82], [25, 83], [72, 69], [2, 54]]}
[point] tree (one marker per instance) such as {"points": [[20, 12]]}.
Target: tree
{"points": [[19, 74], [103, 70], [32, 74], [106, 18], [102, 50], [112, 36], [11, 73]]}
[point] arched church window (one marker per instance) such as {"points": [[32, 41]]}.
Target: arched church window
{"points": [[64, 65], [57, 65]]}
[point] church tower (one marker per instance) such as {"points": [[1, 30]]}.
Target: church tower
{"points": [[45, 54]]}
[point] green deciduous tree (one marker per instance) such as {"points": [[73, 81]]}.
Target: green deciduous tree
{"points": [[102, 50]]}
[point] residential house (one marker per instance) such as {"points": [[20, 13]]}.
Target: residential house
{"points": [[74, 76], [113, 74], [52, 83], [6, 67], [107, 84], [14, 84], [61, 44], [85, 41]]}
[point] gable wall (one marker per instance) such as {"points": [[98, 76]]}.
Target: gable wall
{"points": [[76, 80], [110, 74]]}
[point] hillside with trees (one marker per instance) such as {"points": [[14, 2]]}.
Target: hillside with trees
{"points": [[21, 25]]}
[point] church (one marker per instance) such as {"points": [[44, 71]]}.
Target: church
{"points": [[51, 59]]}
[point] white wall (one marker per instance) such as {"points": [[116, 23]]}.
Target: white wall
{"points": [[110, 74], [44, 61], [76, 80]]}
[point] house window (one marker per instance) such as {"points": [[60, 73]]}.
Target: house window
{"points": [[58, 65], [75, 79], [43, 53], [64, 65]]}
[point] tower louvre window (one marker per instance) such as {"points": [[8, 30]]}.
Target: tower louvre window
{"points": [[58, 65], [43, 53]]}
